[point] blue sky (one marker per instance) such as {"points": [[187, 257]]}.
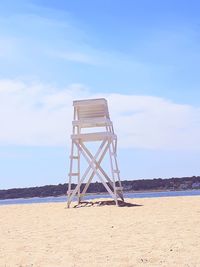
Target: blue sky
{"points": [[143, 56]]}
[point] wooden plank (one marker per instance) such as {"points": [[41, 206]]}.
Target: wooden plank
{"points": [[73, 157], [92, 122], [93, 173], [84, 175], [100, 168], [69, 183], [93, 136], [73, 174], [86, 102], [112, 184], [96, 172]]}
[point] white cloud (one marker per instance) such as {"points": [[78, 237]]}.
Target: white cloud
{"points": [[76, 57], [155, 123], [37, 114]]}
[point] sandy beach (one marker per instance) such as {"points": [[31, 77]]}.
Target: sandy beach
{"points": [[152, 232]]}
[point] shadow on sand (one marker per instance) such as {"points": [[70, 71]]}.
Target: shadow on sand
{"points": [[105, 203]]}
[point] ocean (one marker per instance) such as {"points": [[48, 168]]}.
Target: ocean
{"points": [[88, 197]]}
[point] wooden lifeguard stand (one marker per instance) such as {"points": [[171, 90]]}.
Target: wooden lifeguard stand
{"points": [[93, 114]]}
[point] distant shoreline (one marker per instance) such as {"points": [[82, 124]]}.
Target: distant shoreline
{"points": [[91, 197], [129, 186]]}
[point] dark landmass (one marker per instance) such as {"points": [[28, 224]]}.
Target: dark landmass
{"points": [[184, 183]]}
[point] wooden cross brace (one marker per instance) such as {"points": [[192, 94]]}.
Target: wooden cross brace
{"points": [[96, 168]]}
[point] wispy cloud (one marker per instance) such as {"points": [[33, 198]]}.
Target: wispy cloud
{"points": [[39, 114], [78, 57], [157, 61]]}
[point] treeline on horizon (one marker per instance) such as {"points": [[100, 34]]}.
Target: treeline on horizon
{"points": [[184, 183]]}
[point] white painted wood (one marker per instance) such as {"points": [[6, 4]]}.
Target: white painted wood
{"points": [[73, 174], [93, 113], [98, 167], [91, 164], [92, 122], [88, 137], [73, 157], [70, 196]]}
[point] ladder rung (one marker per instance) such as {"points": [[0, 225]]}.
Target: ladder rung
{"points": [[73, 157], [73, 174], [113, 154], [116, 171]]}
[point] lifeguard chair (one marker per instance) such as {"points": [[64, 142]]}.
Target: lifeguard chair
{"points": [[93, 114]]}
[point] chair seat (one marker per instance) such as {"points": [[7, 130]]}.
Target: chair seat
{"points": [[94, 136]]}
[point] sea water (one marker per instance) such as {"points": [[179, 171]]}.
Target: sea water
{"points": [[88, 197]]}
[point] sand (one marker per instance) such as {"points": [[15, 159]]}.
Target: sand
{"points": [[155, 232]]}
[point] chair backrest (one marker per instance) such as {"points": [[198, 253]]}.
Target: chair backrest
{"points": [[91, 109]]}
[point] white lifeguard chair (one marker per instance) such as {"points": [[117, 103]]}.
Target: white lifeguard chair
{"points": [[92, 114]]}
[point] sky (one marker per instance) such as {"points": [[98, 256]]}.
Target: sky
{"points": [[142, 56]]}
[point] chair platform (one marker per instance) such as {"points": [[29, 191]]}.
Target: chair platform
{"points": [[94, 136]]}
